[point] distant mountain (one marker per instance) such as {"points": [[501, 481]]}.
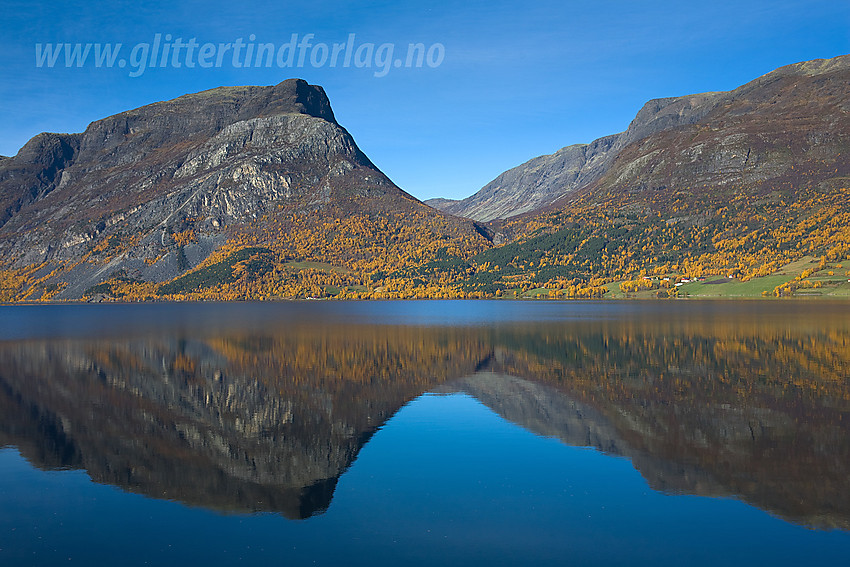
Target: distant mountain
{"points": [[150, 193], [785, 131], [755, 133]]}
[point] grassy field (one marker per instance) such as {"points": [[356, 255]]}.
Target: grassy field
{"points": [[836, 285], [842, 290], [733, 288]]}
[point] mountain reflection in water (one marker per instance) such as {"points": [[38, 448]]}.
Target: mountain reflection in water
{"points": [[267, 419]]}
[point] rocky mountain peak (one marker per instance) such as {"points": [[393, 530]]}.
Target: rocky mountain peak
{"points": [[203, 114], [292, 96], [544, 180], [202, 162]]}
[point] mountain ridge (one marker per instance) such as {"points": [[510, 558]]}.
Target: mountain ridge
{"points": [[543, 180]]}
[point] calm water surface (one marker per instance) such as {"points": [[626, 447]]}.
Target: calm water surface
{"points": [[423, 433]]}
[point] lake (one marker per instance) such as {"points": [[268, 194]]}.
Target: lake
{"points": [[426, 432]]}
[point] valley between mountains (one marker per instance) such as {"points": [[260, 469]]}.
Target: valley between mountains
{"points": [[259, 193]]}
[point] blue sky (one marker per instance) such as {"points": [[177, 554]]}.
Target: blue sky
{"points": [[517, 79]]}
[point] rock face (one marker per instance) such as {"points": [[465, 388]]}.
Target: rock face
{"points": [[805, 104], [784, 131], [217, 158], [35, 171]]}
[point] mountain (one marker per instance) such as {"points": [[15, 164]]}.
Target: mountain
{"points": [[734, 194], [258, 193], [149, 194], [756, 133], [787, 130]]}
